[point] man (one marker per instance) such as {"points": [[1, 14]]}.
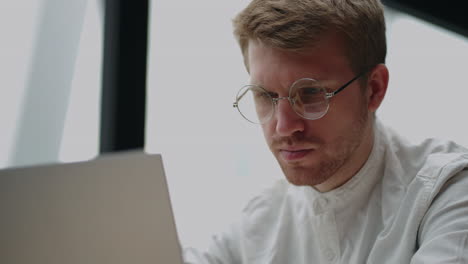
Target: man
{"points": [[355, 192]]}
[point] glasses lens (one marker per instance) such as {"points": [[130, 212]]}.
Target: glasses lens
{"points": [[255, 104], [309, 98]]}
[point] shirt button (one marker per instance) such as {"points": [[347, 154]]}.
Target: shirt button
{"points": [[323, 201], [320, 205], [330, 255]]}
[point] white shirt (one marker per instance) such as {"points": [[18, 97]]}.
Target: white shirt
{"points": [[408, 204]]}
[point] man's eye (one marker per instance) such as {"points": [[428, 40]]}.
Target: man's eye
{"points": [[260, 95], [265, 94], [309, 91], [273, 95], [310, 95]]}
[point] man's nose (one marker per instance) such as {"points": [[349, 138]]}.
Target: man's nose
{"points": [[287, 120]]}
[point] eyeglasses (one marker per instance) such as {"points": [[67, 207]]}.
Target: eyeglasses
{"points": [[307, 97]]}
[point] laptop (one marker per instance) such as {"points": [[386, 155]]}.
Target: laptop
{"points": [[112, 209]]}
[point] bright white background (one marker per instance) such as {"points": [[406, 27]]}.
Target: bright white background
{"points": [[214, 160], [50, 80]]}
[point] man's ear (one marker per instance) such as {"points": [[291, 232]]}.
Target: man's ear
{"points": [[377, 83]]}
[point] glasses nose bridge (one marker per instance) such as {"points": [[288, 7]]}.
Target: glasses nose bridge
{"points": [[290, 100], [290, 103]]}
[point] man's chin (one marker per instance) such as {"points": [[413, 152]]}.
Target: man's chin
{"points": [[302, 176]]}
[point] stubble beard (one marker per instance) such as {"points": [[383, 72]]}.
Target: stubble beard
{"points": [[332, 157]]}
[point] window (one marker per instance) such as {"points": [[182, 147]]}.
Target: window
{"points": [[51, 70]]}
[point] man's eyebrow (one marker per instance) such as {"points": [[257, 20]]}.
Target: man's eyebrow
{"points": [[328, 84], [254, 82], [257, 84], [271, 93]]}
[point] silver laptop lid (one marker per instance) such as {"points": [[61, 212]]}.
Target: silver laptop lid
{"points": [[112, 209]]}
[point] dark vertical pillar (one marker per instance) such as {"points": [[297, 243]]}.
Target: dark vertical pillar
{"points": [[450, 15], [124, 75]]}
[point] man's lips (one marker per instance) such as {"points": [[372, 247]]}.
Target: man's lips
{"points": [[294, 154]]}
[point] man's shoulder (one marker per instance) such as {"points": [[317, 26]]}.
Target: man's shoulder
{"points": [[430, 158], [421, 170], [434, 159]]}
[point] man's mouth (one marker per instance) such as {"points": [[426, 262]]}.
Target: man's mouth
{"points": [[294, 155]]}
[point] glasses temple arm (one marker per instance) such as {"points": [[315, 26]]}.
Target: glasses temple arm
{"points": [[240, 97], [348, 83]]}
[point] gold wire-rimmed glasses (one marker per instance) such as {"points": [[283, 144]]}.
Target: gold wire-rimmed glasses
{"points": [[307, 97]]}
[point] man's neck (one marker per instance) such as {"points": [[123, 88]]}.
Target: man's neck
{"points": [[354, 164]]}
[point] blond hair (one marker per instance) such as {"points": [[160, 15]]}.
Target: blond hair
{"points": [[297, 24]]}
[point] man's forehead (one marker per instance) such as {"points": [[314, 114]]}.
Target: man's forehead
{"points": [[270, 66]]}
